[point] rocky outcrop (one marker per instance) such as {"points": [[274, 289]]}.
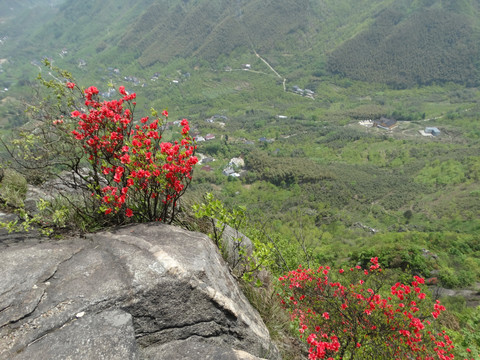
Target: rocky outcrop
{"points": [[148, 291], [237, 247]]}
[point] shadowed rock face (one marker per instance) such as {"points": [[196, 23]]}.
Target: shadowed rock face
{"points": [[148, 291]]}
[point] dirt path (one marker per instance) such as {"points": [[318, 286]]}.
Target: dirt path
{"points": [[274, 71]]}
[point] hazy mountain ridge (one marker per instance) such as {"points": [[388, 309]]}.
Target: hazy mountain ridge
{"points": [[17, 16]]}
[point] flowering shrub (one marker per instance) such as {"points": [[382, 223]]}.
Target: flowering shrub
{"points": [[347, 315], [133, 174], [109, 167]]}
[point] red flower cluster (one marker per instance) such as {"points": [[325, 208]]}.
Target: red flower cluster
{"points": [[350, 314], [133, 171]]}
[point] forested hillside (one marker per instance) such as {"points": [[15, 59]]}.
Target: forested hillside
{"points": [[401, 43], [432, 45]]}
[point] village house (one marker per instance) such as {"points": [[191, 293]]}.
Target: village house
{"points": [[386, 124], [206, 168], [236, 162], [216, 117], [209, 137], [432, 130], [228, 171], [263, 139], [206, 160], [297, 90]]}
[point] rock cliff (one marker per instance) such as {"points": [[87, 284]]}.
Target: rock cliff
{"points": [[149, 291]]}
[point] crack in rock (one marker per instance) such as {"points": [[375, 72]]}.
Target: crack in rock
{"points": [[138, 288]]}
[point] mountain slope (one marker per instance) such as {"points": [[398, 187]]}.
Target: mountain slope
{"points": [[402, 43], [427, 46]]}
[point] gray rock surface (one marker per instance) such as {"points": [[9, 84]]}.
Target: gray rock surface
{"points": [[33, 195], [194, 349], [148, 291], [234, 241]]}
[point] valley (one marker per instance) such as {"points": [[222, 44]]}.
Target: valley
{"points": [[357, 123]]}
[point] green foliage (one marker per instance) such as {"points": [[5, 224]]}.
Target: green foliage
{"points": [[13, 188], [407, 258], [284, 171], [216, 212], [24, 223], [48, 218], [441, 47], [450, 278], [245, 260], [471, 337], [442, 173]]}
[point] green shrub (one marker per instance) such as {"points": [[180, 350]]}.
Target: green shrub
{"points": [[13, 188], [449, 277]]}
